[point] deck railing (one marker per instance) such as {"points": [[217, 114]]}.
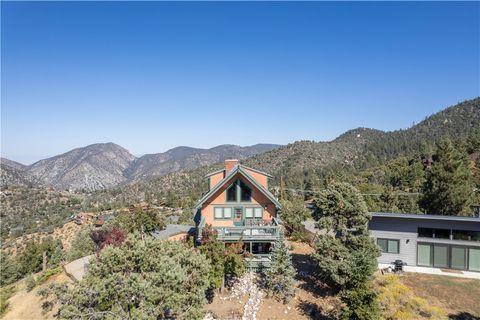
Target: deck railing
{"points": [[250, 231]]}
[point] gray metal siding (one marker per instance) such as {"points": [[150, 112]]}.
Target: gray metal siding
{"points": [[405, 230]]}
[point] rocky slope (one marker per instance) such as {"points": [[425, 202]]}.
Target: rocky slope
{"points": [[186, 158], [14, 174], [106, 165], [93, 167]]}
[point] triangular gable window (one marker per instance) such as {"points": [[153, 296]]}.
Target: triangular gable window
{"points": [[232, 192], [239, 191]]}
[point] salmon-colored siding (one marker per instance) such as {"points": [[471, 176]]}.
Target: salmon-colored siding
{"points": [[260, 178], [218, 199], [216, 178]]}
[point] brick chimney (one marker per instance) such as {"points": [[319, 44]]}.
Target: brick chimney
{"points": [[229, 164]]}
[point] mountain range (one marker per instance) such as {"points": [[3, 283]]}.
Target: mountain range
{"points": [[106, 165], [352, 152]]}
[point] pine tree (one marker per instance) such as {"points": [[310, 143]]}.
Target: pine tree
{"points": [[346, 255], [448, 189], [142, 279], [389, 200], [280, 278], [293, 215]]}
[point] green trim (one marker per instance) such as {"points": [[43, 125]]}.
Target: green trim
{"points": [[238, 192], [228, 177], [223, 214]]}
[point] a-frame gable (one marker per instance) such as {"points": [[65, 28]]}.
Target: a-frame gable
{"points": [[238, 169]]}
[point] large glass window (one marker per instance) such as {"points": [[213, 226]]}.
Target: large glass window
{"points": [[440, 256], [239, 189], [232, 192], [474, 259], [245, 192], [389, 245], [458, 258], [424, 255]]}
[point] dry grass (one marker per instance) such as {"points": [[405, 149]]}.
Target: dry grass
{"points": [[459, 296]]}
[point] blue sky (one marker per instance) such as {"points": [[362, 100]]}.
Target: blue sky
{"points": [[151, 76]]}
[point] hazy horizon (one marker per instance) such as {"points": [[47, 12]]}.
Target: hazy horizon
{"points": [[151, 76]]}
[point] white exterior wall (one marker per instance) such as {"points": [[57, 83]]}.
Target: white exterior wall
{"points": [[405, 230]]}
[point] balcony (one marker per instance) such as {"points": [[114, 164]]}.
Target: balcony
{"points": [[250, 230]]}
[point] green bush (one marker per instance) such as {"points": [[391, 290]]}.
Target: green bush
{"points": [[5, 294], [42, 278], [30, 282]]}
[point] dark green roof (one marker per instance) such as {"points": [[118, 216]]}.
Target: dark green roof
{"points": [[241, 170]]}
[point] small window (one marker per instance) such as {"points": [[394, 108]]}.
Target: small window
{"points": [[442, 233], [389, 245], [425, 232], [466, 235], [232, 192], [245, 192], [248, 213], [258, 212], [227, 213], [218, 213], [222, 213]]}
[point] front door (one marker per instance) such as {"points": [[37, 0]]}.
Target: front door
{"points": [[238, 216]]}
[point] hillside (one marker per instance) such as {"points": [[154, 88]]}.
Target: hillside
{"points": [[366, 157], [352, 152], [187, 158], [107, 165], [93, 167], [14, 174], [362, 148]]}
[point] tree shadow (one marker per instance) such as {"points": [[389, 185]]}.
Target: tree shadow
{"points": [[463, 316], [308, 277], [313, 311]]}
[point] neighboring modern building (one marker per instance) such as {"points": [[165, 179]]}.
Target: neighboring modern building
{"points": [[240, 208], [446, 242]]}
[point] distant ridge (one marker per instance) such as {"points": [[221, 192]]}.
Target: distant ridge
{"points": [[187, 158], [106, 165], [356, 149]]}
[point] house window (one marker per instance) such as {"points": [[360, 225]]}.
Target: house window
{"points": [[434, 233], [245, 192], [442, 233], [466, 235], [222, 213], [389, 245], [232, 193], [254, 212], [239, 190], [425, 232]]}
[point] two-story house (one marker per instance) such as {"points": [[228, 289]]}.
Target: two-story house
{"points": [[239, 207]]}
